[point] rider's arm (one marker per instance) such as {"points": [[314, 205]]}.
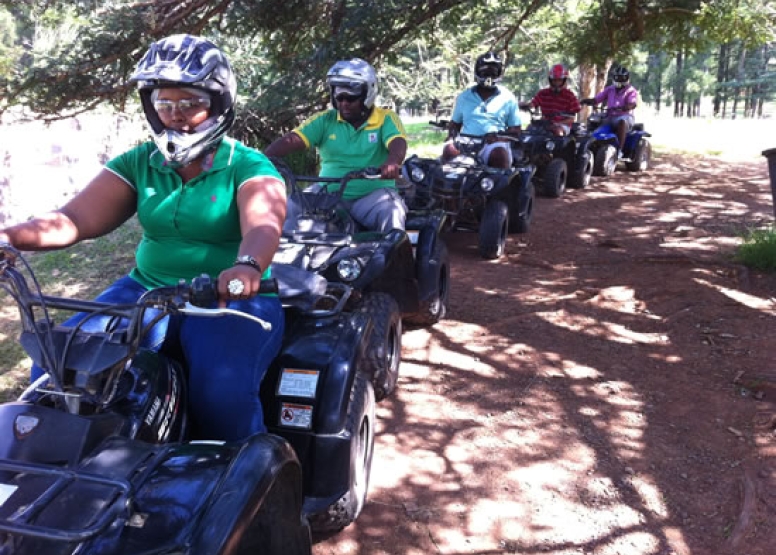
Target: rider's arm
{"points": [[397, 150], [261, 202], [288, 143], [453, 128], [105, 203]]}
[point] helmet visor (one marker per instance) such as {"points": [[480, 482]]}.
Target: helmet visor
{"points": [[489, 70]]}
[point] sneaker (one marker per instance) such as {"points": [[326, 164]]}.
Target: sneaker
{"points": [[619, 154]]}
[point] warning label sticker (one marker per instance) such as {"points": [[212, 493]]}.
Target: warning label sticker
{"points": [[298, 383], [296, 416]]}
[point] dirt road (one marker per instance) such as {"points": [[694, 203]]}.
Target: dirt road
{"points": [[608, 387]]}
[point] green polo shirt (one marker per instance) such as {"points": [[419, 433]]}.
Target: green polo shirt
{"points": [[192, 228], [343, 148]]}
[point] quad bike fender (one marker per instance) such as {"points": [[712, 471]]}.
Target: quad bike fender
{"points": [[331, 350], [206, 495], [633, 138], [604, 134], [427, 262], [518, 186], [391, 270]]}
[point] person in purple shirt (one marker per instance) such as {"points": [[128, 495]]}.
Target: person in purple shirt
{"points": [[620, 99]]}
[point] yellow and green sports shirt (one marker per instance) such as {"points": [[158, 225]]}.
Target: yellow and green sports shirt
{"points": [[343, 148]]}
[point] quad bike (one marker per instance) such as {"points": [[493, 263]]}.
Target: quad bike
{"points": [[560, 161], [475, 197], [100, 457], [636, 153]]}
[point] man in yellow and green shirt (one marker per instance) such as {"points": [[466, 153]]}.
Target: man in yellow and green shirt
{"points": [[352, 135]]}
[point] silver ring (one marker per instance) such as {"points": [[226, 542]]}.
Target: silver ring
{"points": [[236, 287]]}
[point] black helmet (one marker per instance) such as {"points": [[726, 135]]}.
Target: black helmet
{"points": [[186, 61], [621, 77], [488, 70]]}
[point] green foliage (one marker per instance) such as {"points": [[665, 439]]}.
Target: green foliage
{"points": [[78, 54], [758, 249], [9, 53]]}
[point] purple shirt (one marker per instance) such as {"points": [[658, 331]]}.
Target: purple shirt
{"points": [[616, 98]]}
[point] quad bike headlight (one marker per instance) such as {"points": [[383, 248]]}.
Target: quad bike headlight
{"points": [[349, 269], [550, 146], [417, 174], [487, 184]]}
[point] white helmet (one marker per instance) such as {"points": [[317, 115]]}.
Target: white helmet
{"points": [[186, 61], [357, 76]]}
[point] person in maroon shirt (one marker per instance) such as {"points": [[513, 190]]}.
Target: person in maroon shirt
{"points": [[557, 102]]}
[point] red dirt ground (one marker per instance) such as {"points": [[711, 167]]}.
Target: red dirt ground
{"points": [[607, 388]]}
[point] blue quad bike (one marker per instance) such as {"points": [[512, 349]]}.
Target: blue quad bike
{"points": [[636, 153], [396, 276], [99, 457], [561, 161], [492, 202]]}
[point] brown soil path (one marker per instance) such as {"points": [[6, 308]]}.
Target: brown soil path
{"points": [[607, 388]]}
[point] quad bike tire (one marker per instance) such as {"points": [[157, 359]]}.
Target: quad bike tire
{"points": [[361, 428], [382, 357], [580, 177], [434, 309], [642, 157], [555, 177], [494, 227], [605, 161]]}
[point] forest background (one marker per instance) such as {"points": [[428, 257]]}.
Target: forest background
{"points": [[688, 58]]}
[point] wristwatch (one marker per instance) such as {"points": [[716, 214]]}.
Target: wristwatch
{"points": [[248, 260]]}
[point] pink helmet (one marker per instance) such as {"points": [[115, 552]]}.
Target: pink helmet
{"points": [[558, 71]]}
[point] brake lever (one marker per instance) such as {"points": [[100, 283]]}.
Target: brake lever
{"points": [[189, 308], [371, 173]]}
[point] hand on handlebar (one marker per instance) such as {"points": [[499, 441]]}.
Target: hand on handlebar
{"points": [[390, 170], [238, 283]]}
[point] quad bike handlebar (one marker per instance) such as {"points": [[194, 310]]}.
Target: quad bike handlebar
{"points": [[53, 344], [311, 201]]}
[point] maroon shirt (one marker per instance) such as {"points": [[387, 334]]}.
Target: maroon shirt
{"points": [[552, 103]]}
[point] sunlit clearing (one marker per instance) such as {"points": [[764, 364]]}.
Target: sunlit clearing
{"points": [[577, 372], [757, 303], [560, 492], [596, 328], [675, 216], [650, 495]]}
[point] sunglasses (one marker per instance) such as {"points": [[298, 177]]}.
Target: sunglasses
{"points": [[187, 106], [347, 97]]}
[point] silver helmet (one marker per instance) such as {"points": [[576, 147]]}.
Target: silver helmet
{"points": [[186, 61], [357, 76]]}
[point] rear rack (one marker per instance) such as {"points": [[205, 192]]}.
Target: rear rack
{"points": [[114, 492]]}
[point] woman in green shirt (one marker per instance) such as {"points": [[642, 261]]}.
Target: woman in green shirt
{"points": [[207, 204]]}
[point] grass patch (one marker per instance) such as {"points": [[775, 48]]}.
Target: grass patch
{"points": [[424, 140], [758, 249]]}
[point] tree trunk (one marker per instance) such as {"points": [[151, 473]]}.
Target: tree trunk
{"points": [[739, 78], [721, 58], [678, 92], [587, 83]]}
